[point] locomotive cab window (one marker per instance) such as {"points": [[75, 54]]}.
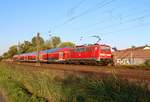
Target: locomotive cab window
{"points": [[105, 48]]}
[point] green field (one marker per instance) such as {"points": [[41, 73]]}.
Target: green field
{"points": [[22, 84]]}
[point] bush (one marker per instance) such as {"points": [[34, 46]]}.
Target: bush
{"points": [[1, 58], [110, 89], [147, 63]]}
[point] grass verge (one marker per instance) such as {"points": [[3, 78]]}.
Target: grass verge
{"points": [[33, 85]]}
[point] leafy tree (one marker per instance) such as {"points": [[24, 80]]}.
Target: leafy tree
{"points": [[55, 41], [11, 52], [28, 46], [47, 44], [31, 49], [5, 55], [24, 47], [34, 41], [67, 44]]}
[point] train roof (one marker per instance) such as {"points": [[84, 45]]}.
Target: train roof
{"points": [[44, 51], [50, 50], [30, 53], [87, 45], [54, 50], [58, 49]]}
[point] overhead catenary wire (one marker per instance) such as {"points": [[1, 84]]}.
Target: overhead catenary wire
{"points": [[126, 29], [99, 5], [120, 22], [123, 22], [73, 9], [111, 15], [109, 26], [89, 10], [129, 28]]}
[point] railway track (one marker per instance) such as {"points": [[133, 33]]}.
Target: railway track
{"points": [[102, 71]]}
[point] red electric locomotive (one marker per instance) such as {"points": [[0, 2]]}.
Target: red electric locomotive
{"points": [[85, 54], [91, 54]]}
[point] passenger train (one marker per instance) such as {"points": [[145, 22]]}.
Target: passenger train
{"points": [[95, 54]]}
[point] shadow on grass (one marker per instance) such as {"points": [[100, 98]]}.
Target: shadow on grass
{"points": [[110, 89]]}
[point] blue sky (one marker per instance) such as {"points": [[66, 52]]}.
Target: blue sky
{"points": [[120, 23]]}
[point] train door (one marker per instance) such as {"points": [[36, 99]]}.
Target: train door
{"points": [[61, 55], [95, 52], [92, 51]]}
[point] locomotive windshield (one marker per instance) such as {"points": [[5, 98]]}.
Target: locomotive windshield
{"points": [[105, 48]]}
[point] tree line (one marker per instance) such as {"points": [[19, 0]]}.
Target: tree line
{"points": [[31, 46]]}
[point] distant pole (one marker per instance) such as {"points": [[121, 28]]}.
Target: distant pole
{"points": [[131, 56], [81, 38], [38, 49], [114, 58], [50, 36], [19, 50], [49, 33], [48, 43]]}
